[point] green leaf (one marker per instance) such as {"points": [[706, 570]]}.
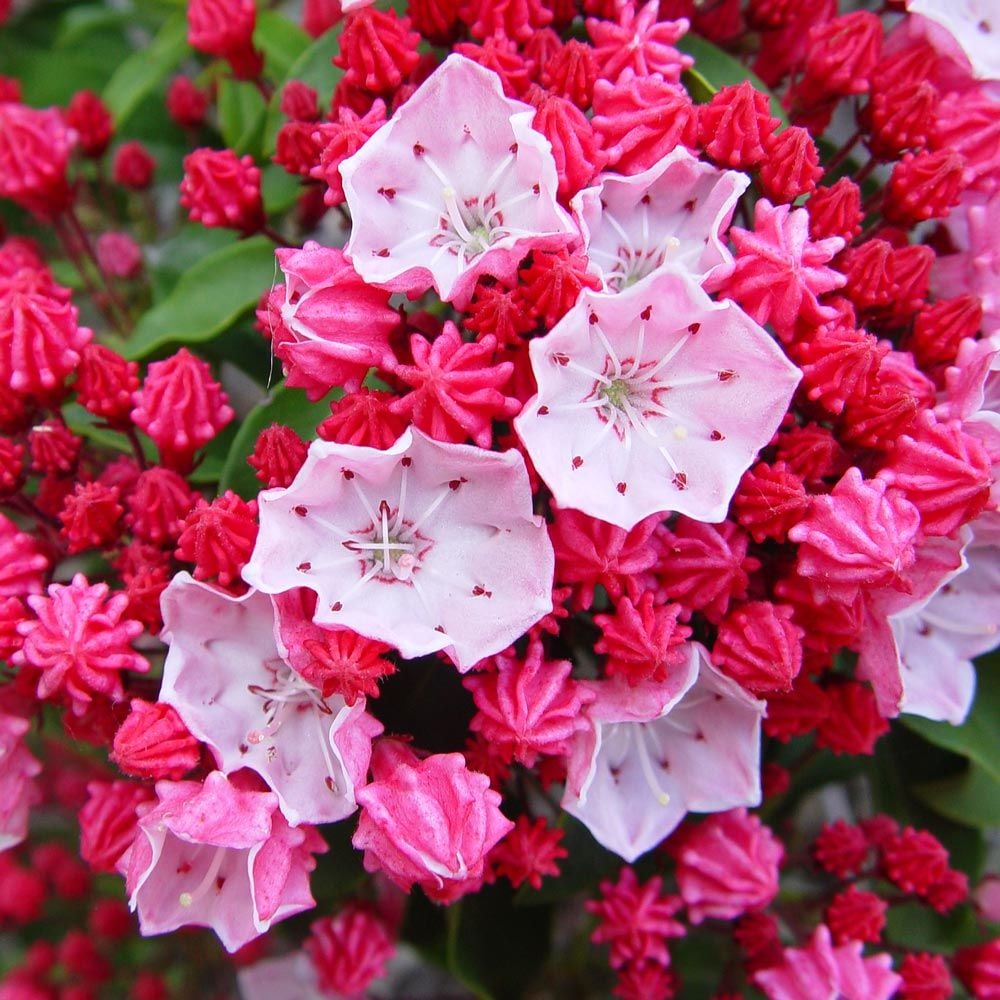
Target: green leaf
{"points": [[494, 947], [284, 406], [241, 114], [279, 188], [188, 245], [971, 798], [281, 41], [979, 737], [916, 926], [138, 75], [208, 298], [314, 67], [80, 22], [714, 69]]}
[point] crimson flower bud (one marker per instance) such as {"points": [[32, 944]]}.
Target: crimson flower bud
{"points": [[222, 189], [134, 166], [181, 407], [35, 147], [224, 28], [277, 456], [153, 742], [924, 186], [90, 118], [186, 104]]}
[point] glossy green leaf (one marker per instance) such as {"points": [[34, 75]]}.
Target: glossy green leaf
{"points": [[284, 406], [241, 115], [208, 298], [314, 67], [279, 188], [979, 737], [916, 926], [281, 41], [971, 798], [495, 947], [714, 69], [138, 75], [78, 23]]}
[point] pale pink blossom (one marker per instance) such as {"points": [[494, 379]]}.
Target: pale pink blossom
{"points": [[820, 970], [18, 792], [917, 648], [288, 977], [428, 822], [655, 399], [653, 752], [672, 215], [456, 185], [974, 227], [339, 325], [227, 675], [780, 273], [216, 855], [975, 27], [426, 546]]}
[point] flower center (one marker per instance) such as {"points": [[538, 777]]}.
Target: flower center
{"points": [[616, 392], [285, 690]]}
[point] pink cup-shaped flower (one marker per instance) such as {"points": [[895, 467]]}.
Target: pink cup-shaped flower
{"points": [[214, 855]]}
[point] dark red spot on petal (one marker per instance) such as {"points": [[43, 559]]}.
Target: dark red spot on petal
{"points": [[300, 510], [560, 358], [304, 567], [717, 436], [694, 327], [336, 606], [622, 487], [387, 193], [680, 481], [577, 461], [646, 313], [347, 474], [645, 199], [726, 374], [543, 411], [689, 205], [406, 461], [418, 150]]}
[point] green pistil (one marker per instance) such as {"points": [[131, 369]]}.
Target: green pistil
{"points": [[616, 393]]}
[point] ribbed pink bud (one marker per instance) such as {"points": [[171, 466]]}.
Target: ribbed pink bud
{"points": [[860, 536], [35, 147], [528, 707], [105, 384], [222, 189], [80, 642], [942, 470], [218, 537], [108, 821], [728, 866], [54, 447], [40, 339], [277, 456], [181, 408], [154, 743], [759, 647], [157, 505]]}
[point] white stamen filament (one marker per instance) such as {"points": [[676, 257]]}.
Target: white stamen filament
{"points": [[648, 771], [188, 899]]}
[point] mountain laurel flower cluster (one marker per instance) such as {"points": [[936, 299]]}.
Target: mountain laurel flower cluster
{"points": [[482, 479]]}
